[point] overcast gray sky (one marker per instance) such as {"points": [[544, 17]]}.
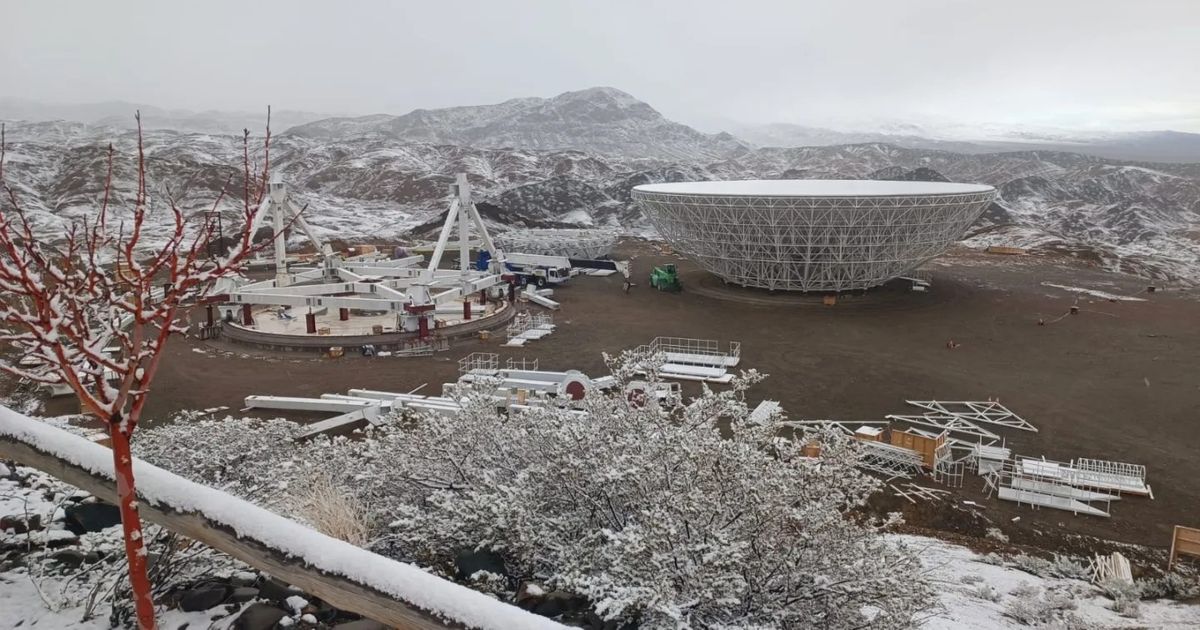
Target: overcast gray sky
{"points": [[1129, 64]]}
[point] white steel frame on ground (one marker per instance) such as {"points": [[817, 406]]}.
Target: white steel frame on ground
{"points": [[989, 412]]}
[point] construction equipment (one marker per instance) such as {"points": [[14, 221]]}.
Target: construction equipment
{"points": [[665, 278]]}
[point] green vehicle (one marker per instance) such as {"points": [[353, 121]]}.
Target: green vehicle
{"points": [[665, 278]]}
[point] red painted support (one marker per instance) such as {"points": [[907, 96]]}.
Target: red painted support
{"points": [[210, 308], [483, 297], [310, 323], [422, 327], [344, 314], [247, 320], [466, 310]]}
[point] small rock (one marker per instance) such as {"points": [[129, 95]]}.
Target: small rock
{"points": [[242, 594], [92, 517], [276, 590], [69, 557], [57, 538], [309, 619], [258, 617], [360, 624], [203, 597], [243, 578], [296, 603], [17, 524]]}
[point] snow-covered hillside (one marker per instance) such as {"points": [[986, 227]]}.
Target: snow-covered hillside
{"points": [[383, 176]]}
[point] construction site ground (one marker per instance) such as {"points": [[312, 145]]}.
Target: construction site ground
{"points": [[1120, 380]]}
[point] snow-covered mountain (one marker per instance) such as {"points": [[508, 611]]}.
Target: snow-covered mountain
{"points": [[1153, 146], [362, 181], [602, 121], [119, 115]]}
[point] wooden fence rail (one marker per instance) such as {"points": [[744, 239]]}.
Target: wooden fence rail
{"points": [[348, 577]]}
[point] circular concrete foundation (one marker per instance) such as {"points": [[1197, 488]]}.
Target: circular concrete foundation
{"points": [[289, 334]]}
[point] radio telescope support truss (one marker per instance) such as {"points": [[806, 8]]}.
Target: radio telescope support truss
{"points": [[366, 282]]}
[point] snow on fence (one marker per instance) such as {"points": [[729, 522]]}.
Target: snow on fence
{"points": [[346, 576]]}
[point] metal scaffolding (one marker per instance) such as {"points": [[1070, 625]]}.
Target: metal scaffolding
{"points": [[814, 235]]}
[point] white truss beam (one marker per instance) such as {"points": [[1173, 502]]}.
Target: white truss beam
{"points": [[988, 412]]}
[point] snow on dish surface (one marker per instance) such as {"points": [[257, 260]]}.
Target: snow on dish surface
{"points": [[159, 487], [813, 188]]}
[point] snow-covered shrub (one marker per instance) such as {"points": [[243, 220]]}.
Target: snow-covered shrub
{"points": [[1060, 567], [246, 457], [986, 592], [664, 516], [650, 513], [1173, 585], [993, 559], [1031, 606], [996, 534], [1126, 596]]}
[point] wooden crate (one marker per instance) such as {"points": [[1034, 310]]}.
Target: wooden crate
{"points": [[1184, 542], [926, 446]]}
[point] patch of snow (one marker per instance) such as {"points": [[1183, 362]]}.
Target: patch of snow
{"points": [[1104, 295], [948, 564]]}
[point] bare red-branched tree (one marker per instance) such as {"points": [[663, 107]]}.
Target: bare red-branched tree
{"points": [[94, 309]]}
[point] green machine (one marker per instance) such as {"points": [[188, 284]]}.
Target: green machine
{"points": [[665, 278]]}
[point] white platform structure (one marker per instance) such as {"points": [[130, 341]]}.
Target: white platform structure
{"points": [[404, 286], [526, 327], [812, 235], [682, 358], [481, 372]]}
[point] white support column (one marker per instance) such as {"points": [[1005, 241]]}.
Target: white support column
{"points": [[443, 238], [464, 228], [484, 237], [277, 210]]}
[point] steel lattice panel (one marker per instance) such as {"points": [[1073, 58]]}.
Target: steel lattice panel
{"points": [[811, 243]]}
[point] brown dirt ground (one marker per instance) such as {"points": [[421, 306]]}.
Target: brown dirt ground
{"points": [[1119, 381]]}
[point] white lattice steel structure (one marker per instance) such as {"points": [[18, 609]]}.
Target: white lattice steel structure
{"points": [[581, 243], [812, 235]]}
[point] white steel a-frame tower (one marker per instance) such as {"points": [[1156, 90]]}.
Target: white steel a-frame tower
{"points": [[282, 209]]}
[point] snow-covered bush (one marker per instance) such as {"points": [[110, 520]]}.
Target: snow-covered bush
{"points": [[669, 517], [1061, 567], [986, 592], [1126, 596], [1173, 585], [1031, 606], [246, 457]]}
